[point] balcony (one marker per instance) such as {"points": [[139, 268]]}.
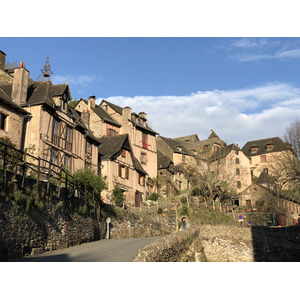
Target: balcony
{"points": [[61, 143]]}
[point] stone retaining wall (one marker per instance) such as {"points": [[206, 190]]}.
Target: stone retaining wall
{"points": [[171, 248], [39, 231]]}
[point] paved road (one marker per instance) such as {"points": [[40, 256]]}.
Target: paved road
{"points": [[99, 251]]}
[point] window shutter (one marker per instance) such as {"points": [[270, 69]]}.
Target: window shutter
{"points": [[120, 171], [127, 173]]}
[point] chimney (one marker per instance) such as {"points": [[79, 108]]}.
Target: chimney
{"points": [[143, 115], [2, 60], [20, 85], [126, 113], [92, 102]]}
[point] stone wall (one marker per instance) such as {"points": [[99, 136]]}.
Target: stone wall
{"points": [[171, 248], [38, 231], [220, 243]]}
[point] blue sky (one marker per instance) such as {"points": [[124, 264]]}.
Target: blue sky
{"points": [[243, 88]]}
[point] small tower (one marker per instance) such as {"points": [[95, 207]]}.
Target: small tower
{"points": [[46, 73]]}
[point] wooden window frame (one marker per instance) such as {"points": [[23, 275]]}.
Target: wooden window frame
{"points": [[123, 153], [145, 157], [142, 180]]}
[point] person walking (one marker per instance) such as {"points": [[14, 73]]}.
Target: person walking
{"points": [[183, 223]]}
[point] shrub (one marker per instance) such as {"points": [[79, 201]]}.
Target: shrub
{"points": [[118, 196], [159, 210], [183, 200], [184, 211], [153, 197]]}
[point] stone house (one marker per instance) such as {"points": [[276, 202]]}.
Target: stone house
{"points": [[202, 149], [231, 165], [179, 156], [13, 117], [264, 154], [121, 168], [55, 132], [97, 119], [165, 175], [142, 138]]}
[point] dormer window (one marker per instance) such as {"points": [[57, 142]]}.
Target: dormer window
{"points": [[269, 147], [179, 148], [253, 149]]}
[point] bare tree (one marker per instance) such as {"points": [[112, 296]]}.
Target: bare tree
{"points": [[208, 182], [286, 166], [12, 65]]}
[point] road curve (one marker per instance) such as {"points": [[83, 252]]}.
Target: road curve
{"points": [[98, 251]]}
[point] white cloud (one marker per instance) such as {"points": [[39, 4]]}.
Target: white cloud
{"points": [[254, 49], [76, 80], [236, 115]]}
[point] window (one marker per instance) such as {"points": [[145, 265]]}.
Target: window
{"points": [[68, 139], [55, 130], [263, 158], [53, 157], [124, 153], [111, 132], [145, 140], [269, 147], [266, 170], [253, 149], [123, 172], [67, 162], [68, 134], [237, 161], [143, 158], [238, 184], [250, 160], [238, 172], [88, 147], [3, 120], [141, 180], [55, 126], [216, 148], [183, 158]]}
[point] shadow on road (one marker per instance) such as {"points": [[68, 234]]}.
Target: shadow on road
{"points": [[276, 244], [49, 258]]}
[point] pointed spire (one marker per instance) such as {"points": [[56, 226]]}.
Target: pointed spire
{"points": [[212, 134], [46, 72]]}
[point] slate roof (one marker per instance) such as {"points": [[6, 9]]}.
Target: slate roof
{"points": [[264, 178], [144, 128], [40, 92], [192, 138], [111, 145], [223, 152], [117, 108], [175, 145], [278, 144], [102, 113], [213, 135], [105, 116], [75, 115], [4, 98], [163, 161]]}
